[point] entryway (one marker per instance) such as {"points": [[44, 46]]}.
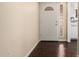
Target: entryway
{"points": [[55, 30], [58, 21], [53, 19]]}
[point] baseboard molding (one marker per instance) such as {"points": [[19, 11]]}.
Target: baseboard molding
{"points": [[53, 40], [48, 40], [62, 40], [27, 55]]}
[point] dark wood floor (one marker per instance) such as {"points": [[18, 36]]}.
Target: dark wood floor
{"points": [[55, 49]]}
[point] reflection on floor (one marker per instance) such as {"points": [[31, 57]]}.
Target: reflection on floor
{"points": [[55, 49]]}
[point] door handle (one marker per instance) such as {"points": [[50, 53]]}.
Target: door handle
{"points": [[76, 13], [55, 24]]}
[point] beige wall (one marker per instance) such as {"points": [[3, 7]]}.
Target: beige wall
{"points": [[19, 28]]}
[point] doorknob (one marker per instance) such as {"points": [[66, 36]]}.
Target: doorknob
{"points": [[55, 24], [76, 13], [56, 21]]}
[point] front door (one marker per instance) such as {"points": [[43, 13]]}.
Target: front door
{"points": [[48, 21]]}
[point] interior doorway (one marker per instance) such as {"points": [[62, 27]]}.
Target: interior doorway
{"points": [[72, 21]]}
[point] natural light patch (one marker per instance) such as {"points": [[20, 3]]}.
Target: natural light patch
{"points": [[61, 50]]}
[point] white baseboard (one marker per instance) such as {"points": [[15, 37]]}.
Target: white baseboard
{"points": [[32, 49], [52, 40], [48, 40], [61, 40]]}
